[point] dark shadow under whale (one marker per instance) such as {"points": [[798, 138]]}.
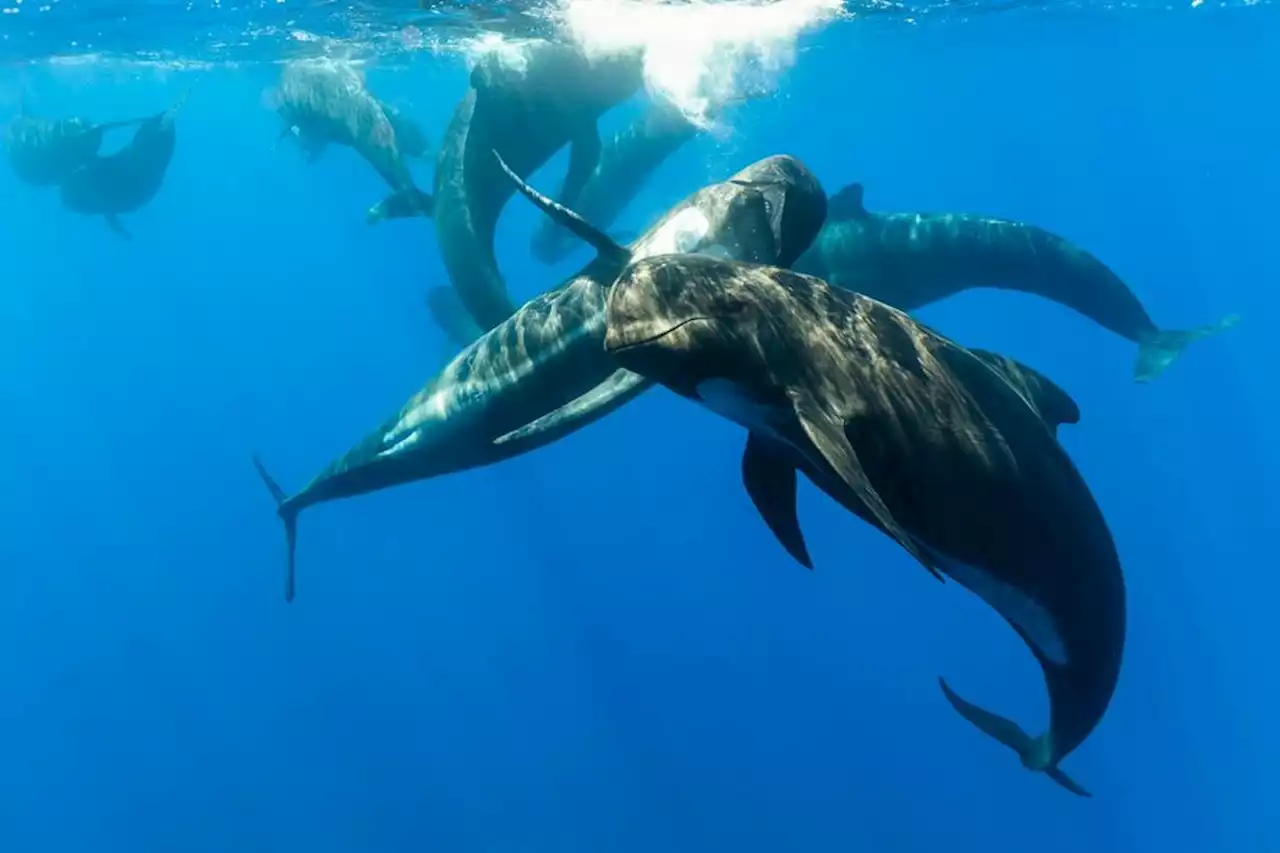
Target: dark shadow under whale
{"points": [[950, 452], [910, 260]]}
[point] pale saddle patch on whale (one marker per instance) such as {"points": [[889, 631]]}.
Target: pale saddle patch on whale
{"points": [[685, 230]]}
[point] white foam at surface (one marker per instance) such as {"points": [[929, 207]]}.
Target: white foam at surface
{"points": [[699, 55]]}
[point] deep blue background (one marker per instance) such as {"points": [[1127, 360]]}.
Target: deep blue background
{"points": [[599, 647]]}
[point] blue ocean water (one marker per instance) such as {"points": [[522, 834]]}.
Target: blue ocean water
{"points": [[599, 647]]}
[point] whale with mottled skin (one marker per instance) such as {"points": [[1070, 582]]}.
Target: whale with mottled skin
{"points": [[325, 102], [912, 259], [44, 152], [543, 373], [411, 140], [129, 179], [627, 161], [951, 453], [526, 111]]}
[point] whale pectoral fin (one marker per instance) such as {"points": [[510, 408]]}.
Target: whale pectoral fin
{"points": [[451, 316], [581, 410], [290, 518], [566, 218], [584, 156], [114, 223], [401, 204], [847, 203], [1160, 349], [770, 479], [828, 436]]}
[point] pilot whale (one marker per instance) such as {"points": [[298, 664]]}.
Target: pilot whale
{"points": [[129, 179], [325, 102], [951, 453], [526, 112], [912, 259], [543, 373]]}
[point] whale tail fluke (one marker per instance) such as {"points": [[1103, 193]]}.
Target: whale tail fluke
{"points": [[402, 204], [1161, 348], [290, 518], [1033, 752]]}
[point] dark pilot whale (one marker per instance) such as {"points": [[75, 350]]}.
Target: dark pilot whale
{"points": [[951, 453], [627, 161], [912, 259], [128, 179], [324, 102], [44, 152], [543, 373], [526, 112]]}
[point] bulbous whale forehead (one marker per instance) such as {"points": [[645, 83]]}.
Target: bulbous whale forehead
{"points": [[794, 199]]}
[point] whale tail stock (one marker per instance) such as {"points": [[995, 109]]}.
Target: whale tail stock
{"points": [[1033, 752], [1161, 348], [290, 517]]}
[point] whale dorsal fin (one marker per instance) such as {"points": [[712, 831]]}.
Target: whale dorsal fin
{"points": [[1054, 405], [847, 203], [567, 219]]}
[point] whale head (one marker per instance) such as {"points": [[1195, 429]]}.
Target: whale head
{"points": [[681, 320]]}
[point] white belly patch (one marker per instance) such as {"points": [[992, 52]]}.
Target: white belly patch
{"points": [[730, 401], [1017, 608]]}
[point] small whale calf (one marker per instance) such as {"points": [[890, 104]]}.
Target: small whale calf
{"points": [[526, 111], [543, 373], [951, 453], [44, 152], [324, 102], [912, 259], [127, 180]]}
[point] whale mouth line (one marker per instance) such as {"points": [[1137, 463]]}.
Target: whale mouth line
{"points": [[655, 338]]}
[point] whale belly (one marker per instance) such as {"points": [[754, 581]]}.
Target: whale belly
{"points": [[1018, 609], [731, 401]]}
